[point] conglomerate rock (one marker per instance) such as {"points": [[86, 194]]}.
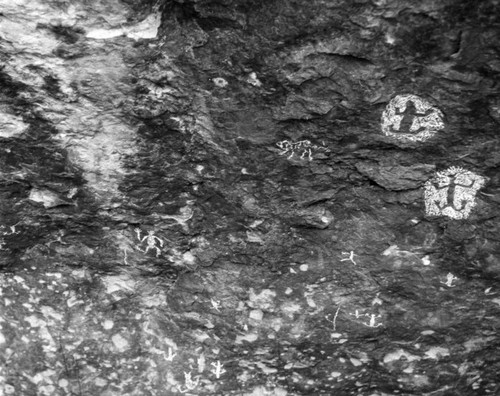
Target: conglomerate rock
{"points": [[249, 197]]}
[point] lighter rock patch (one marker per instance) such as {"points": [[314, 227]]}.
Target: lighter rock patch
{"points": [[120, 343], [11, 125]]}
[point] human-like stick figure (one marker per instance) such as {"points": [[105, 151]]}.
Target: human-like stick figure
{"points": [[373, 321], [150, 240], [189, 383], [218, 370], [350, 258], [303, 146], [452, 193]]}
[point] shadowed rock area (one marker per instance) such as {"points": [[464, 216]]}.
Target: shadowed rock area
{"points": [[249, 197]]}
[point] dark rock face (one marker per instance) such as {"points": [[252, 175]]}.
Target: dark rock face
{"points": [[236, 197]]}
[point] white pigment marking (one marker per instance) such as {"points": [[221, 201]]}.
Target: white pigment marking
{"points": [[425, 123], [452, 193]]}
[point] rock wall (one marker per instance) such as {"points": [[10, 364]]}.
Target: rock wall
{"points": [[229, 197]]}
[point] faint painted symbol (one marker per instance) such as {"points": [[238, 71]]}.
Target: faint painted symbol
{"points": [[170, 355], [252, 79], [452, 193], [450, 278], [304, 147], [411, 118], [373, 321], [60, 234], [215, 304], [334, 320], [11, 232], [189, 383], [356, 314], [201, 363], [373, 318], [150, 240], [220, 82], [377, 300], [126, 249], [350, 258], [488, 291], [218, 369]]}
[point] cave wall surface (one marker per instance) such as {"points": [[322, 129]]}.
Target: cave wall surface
{"points": [[249, 197]]}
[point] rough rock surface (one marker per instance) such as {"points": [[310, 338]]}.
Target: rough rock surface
{"points": [[197, 198]]}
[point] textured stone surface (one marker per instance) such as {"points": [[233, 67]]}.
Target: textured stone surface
{"points": [[197, 198]]}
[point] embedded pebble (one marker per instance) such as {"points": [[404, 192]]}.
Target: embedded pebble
{"points": [[63, 383], [120, 343], [256, 314], [220, 82], [108, 324]]}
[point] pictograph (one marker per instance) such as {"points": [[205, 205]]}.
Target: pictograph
{"points": [[150, 240], [410, 118], [452, 193], [304, 147]]}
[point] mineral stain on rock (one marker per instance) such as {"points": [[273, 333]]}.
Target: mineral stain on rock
{"points": [[198, 197]]}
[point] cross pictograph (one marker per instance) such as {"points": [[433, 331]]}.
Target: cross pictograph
{"points": [[452, 193], [409, 123], [411, 118]]}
